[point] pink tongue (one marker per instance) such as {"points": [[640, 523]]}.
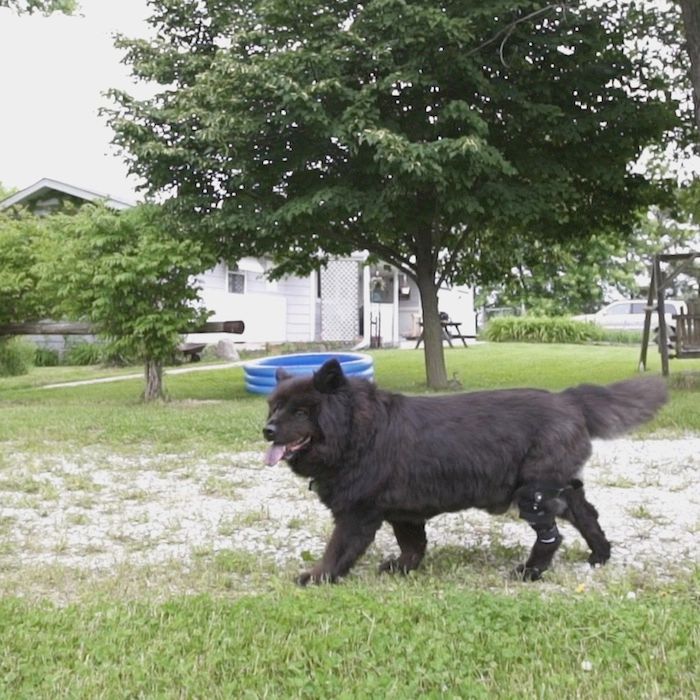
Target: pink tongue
{"points": [[274, 454]]}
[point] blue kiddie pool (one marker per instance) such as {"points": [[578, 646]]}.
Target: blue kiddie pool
{"points": [[260, 374]]}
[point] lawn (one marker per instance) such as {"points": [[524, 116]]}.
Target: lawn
{"points": [[211, 411], [455, 629], [358, 641]]}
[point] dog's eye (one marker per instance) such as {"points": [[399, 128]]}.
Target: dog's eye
{"points": [[301, 412]]}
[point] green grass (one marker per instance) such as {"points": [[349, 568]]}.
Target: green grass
{"points": [[458, 628], [354, 641], [211, 411]]}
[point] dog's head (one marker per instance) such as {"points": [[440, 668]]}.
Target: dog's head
{"points": [[294, 424]]}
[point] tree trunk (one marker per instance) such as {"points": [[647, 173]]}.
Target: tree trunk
{"points": [[435, 370], [154, 381], [690, 10]]}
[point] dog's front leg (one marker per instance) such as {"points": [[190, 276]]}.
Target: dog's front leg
{"points": [[352, 535]]}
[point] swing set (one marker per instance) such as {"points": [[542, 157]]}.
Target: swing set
{"points": [[681, 341]]}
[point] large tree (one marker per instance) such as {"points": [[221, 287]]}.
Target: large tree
{"points": [[429, 134]]}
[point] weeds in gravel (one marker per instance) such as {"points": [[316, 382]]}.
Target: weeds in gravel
{"points": [[642, 512]]}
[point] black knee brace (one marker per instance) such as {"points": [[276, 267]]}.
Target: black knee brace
{"points": [[547, 533], [539, 504]]}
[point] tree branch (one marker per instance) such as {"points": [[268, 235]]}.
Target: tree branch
{"points": [[508, 30], [449, 268]]}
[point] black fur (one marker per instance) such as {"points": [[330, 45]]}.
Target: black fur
{"points": [[375, 456]]}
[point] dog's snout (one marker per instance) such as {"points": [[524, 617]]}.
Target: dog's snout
{"points": [[269, 431]]}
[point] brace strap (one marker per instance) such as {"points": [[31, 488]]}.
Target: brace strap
{"points": [[546, 534]]}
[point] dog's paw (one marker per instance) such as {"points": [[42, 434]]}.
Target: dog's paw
{"points": [[599, 558], [392, 566], [314, 576], [527, 573], [401, 565]]}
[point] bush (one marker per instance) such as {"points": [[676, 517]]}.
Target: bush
{"points": [[83, 354], [541, 329], [16, 356], [46, 357]]}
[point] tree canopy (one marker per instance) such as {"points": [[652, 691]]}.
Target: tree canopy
{"points": [[578, 276], [44, 6], [20, 237], [432, 135]]}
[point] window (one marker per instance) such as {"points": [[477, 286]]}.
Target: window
{"points": [[236, 281], [381, 284]]}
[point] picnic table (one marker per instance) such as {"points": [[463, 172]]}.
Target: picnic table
{"points": [[450, 330]]}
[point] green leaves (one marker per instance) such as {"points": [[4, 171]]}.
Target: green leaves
{"points": [[423, 106], [20, 240], [130, 273], [538, 329], [44, 6]]}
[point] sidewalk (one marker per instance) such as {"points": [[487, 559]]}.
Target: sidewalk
{"points": [[123, 377]]}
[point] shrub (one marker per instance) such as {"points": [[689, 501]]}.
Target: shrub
{"points": [[541, 329], [46, 357], [16, 356], [83, 354]]}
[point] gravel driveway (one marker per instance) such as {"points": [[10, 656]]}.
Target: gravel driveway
{"points": [[95, 511]]}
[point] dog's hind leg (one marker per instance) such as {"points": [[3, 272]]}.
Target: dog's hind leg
{"points": [[539, 503], [542, 553], [412, 542], [584, 517]]}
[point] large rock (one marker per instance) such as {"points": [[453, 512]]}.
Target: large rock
{"points": [[226, 350]]}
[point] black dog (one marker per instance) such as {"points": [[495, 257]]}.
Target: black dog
{"points": [[374, 456]]}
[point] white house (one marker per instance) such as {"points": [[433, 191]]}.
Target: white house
{"points": [[349, 300]]}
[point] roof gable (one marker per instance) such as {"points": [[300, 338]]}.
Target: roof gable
{"points": [[44, 187]]}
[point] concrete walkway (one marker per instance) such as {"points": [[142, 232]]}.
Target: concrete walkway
{"points": [[122, 377]]}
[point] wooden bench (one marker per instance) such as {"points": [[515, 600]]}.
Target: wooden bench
{"points": [[687, 335]]}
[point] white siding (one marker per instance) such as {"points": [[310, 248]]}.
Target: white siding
{"points": [[273, 312], [300, 295]]}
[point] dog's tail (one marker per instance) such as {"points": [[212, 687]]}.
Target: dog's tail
{"points": [[614, 409]]}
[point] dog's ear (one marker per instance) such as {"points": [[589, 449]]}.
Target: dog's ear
{"points": [[330, 377], [281, 374]]}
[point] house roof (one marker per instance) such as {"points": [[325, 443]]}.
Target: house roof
{"points": [[47, 185]]}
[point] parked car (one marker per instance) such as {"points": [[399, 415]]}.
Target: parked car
{"points": [[629, 315]]}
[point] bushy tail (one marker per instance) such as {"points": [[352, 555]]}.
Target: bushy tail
{"points": [[614, 409]]}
